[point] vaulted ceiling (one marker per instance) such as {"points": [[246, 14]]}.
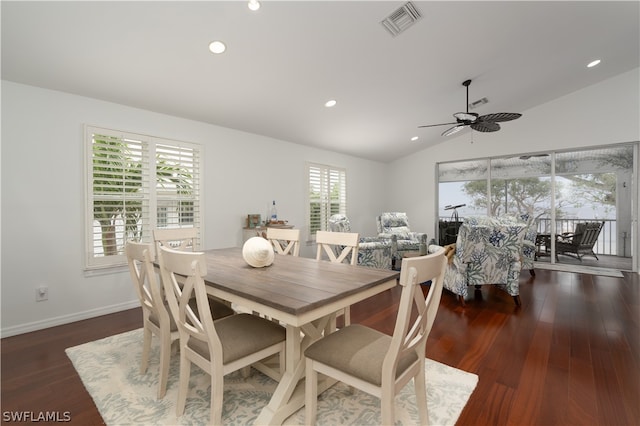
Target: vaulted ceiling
{"points": [[284, 61]]}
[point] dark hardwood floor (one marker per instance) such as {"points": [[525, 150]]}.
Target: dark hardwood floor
{"points": [[570, 355]]}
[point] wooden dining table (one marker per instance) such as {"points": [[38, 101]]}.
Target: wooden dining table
{"points": [[302, 294]]}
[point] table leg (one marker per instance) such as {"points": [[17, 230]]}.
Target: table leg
{"points": [[289, 394]]}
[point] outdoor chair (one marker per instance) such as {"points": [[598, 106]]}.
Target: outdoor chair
{"points": [[581, 242]]}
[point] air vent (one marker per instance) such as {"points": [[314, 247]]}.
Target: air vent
{"points": [[476, 104], [401, 19]]}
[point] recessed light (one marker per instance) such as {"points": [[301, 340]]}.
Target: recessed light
{"points": [[415, 138], [217, 47], [593, 63], [330, 103], [253, 5]]}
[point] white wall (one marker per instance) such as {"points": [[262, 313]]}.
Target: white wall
{"points": [[43, 197], [43, 183], [605, 113]]}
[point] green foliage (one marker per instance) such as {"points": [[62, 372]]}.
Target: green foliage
{"points": [[117, 179], [512, 196], [533, 195], [599, 189]]}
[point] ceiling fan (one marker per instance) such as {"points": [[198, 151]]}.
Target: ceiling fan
{"points": [[482, 123]]}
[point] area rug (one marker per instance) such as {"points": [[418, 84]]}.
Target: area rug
{"points": [[110, 371]]}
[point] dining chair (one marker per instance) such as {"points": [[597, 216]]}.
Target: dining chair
{"points": [[285, 241], [185, 239], [155, 315], [219, 346], [373, 252], [176, 238], [338, 247], [377, 363]]}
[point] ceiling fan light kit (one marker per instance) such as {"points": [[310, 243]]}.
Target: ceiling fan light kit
{"points": [[481, 123]]}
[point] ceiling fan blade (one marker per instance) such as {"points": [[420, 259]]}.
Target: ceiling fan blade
{"points": [[485, 126], [454, 129], [500, 117], [441, 124]]}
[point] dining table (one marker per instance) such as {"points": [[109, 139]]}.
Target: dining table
{"points": [[303, 294]]}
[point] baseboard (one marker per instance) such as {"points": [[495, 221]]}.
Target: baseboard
{"points": [[66, 319]]}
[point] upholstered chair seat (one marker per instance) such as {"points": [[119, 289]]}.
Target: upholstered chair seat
{"points": [[263, 334], [359, 351]]}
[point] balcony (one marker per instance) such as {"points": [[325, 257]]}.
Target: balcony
{"points": [[613, 250]]}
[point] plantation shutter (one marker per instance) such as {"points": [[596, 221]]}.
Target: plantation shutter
{"points": [[178, 186], [135, 184], [327, 196], [118, 193]]}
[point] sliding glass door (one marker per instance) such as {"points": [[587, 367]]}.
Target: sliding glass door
{"points": [[594, 191], [461, 192], [579, 199]]}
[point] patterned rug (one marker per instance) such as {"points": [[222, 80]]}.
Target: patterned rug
{"points": [[110, 371]]}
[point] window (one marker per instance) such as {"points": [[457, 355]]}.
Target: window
{"points": [[558, 189], [135, 184], [327, 196]]}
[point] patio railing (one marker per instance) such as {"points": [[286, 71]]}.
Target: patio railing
{"points": [[607, 241]]}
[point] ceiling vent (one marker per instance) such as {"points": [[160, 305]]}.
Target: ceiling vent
{"points": [[401, 19], [476, 104]]}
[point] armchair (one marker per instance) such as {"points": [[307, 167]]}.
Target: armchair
{"points": [[395, 226], [488, 251], [373, 252], [529, 240]]}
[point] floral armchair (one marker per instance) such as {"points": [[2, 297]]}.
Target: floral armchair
{"points": [[395, 226], [373, 252], [529, 241], [488, 251]]}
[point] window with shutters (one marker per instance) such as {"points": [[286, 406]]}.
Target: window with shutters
{"points": [[137, 183], [327, 196]]}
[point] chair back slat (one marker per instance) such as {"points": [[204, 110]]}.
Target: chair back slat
{"points": [[284, 241], [140, 260], [337, 246], [184, 239], [590, 232], [412, 336], [183, 278]]}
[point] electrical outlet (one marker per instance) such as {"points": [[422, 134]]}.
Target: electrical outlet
{"points": [[42, 293]]}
